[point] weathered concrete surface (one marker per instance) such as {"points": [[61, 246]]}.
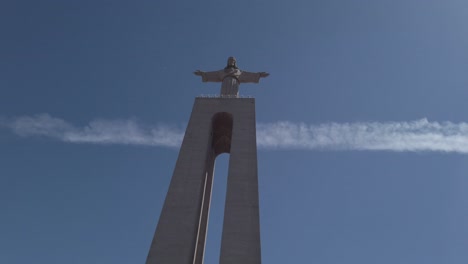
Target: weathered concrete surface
{"points": [[181, 230], [240, 241]]}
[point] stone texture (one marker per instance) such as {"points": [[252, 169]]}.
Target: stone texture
{"points": [[181, 230]]}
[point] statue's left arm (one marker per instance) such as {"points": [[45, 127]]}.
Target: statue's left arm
{"points": [[252, 77]]}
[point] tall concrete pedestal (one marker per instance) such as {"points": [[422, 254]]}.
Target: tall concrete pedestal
{"points": [[217, 125]]}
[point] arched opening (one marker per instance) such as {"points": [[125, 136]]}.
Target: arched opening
{"points": [[221, 124]]}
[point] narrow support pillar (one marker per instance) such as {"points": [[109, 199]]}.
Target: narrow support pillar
{"points": [[241, 229], [205, 212], [178, 229]]}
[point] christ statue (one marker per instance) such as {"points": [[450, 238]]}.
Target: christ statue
{"points": [[231, 77]]}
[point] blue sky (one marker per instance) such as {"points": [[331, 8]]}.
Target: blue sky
{"points": [[363, 123]]}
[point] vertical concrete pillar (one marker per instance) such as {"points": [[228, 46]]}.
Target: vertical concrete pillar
{"points": [[176, 235], [217, 125], [205, 212], [240, 241]]}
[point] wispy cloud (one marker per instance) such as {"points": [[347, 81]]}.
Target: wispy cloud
{"points": [[127, 132], [419, 135]]}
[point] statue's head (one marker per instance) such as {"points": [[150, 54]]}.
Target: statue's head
{"points": [[231, 63]]}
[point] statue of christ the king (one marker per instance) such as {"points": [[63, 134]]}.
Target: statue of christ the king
{"points": [[231, 77]]}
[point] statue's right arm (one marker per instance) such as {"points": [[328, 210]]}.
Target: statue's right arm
{"points": [[198, 72], [213, 76]]}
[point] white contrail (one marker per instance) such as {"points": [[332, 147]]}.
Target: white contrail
{"points": [[98, 131], [419, 135]]}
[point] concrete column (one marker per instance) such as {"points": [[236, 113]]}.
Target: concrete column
{"points": [[241, 229], [181, 231], [177, 231], [205, 212]]}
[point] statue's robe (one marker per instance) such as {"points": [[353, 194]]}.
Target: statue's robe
{"points": [[230, 78]]}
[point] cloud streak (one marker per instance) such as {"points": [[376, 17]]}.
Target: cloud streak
{"points": [[416, 136], [126, 132], [419, 135]]}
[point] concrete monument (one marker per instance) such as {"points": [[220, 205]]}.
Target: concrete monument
{"points": [[231, 77], [224, 124]]}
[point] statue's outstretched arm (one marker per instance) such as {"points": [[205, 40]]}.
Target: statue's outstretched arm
{"points": [[263, 74], [213, 76], [198, 72], [252, 77]]}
